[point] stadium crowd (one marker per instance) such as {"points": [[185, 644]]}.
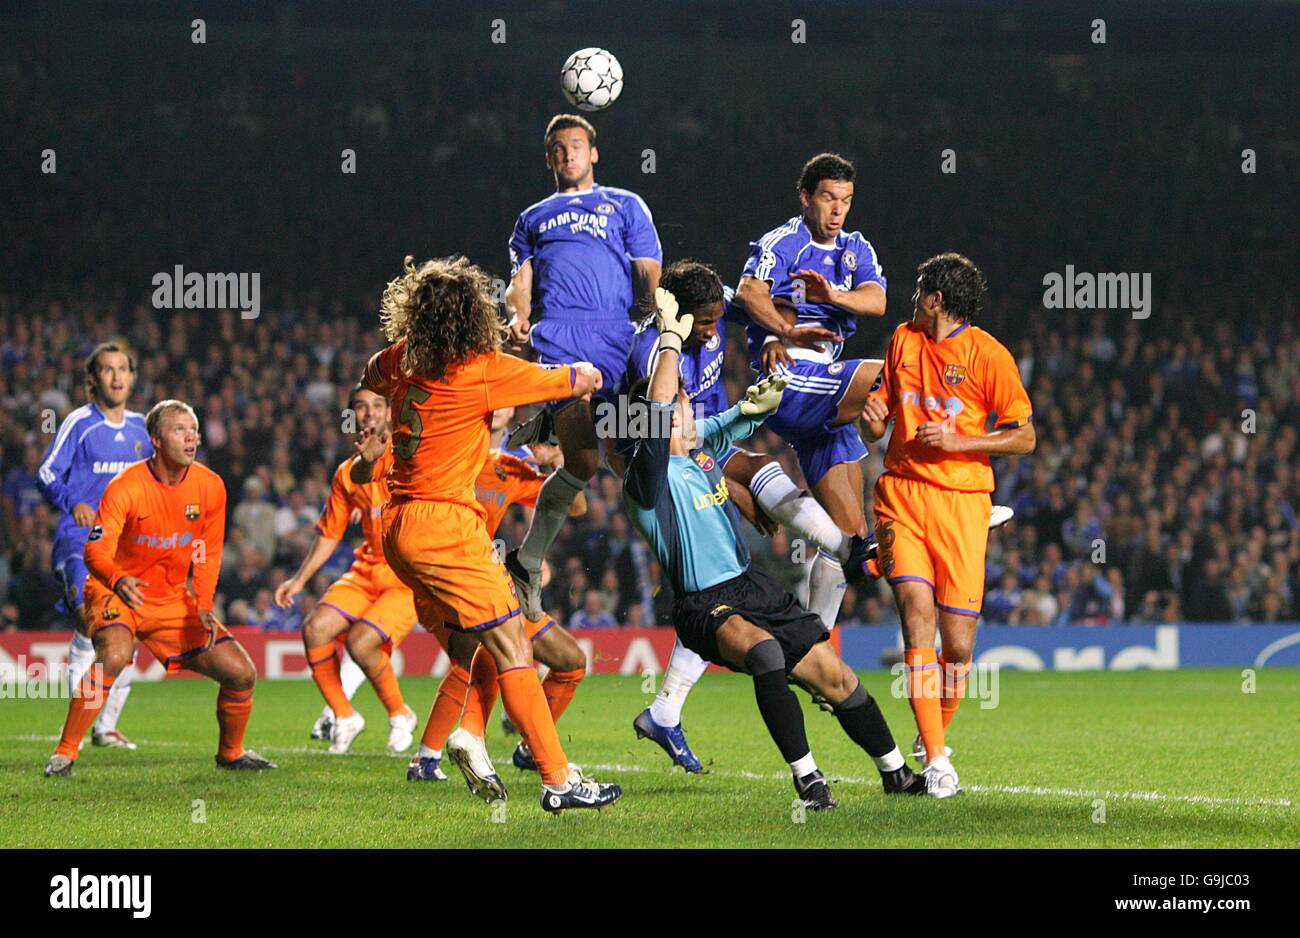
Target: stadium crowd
{"points": [[1165, 482], [1164, 485]]}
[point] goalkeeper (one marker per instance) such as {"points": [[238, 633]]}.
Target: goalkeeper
{"points": [[725, 610]]}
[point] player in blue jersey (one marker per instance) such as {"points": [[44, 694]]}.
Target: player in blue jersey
{"points": [[96, 442], [753, 478], [832, 277], [578, 258], [724, 609]]}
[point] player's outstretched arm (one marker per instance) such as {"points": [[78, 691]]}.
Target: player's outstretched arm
{"points": [[370, 446], [740, 421], [866, 299], [647, 469], [321, 550], [1011, 441]]}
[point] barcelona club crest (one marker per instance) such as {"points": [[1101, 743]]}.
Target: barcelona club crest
{"points": [[191, 512], [501, 472], [704, 460], [954, 374]]}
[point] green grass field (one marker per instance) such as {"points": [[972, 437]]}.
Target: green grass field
{"points": [[1180, 759]]}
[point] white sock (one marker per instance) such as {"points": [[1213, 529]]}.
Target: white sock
{"points": [[804, 766], [685, 667], [889, 761], [106, 722], [427, 753], [798, 511], [553, 500], [350, 675], [826, 589], [81, 655]]}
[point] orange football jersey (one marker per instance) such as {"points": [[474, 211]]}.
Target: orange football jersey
{"points": [[369, 498], [959, 382], [153, 531], [505, 480], [442, 429]]}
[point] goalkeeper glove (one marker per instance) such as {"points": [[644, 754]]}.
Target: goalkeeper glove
{"points": [[670, 321], [765, 396]]}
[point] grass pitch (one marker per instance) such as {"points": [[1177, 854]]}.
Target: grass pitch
{"points": [[1094, 759]]}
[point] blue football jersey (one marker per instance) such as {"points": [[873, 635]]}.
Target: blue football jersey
{"points": [[582, 245], [700, 367], [85, 455], [847, 264]]}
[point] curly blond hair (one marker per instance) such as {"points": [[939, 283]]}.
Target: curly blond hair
{"points": [[445, 312]]}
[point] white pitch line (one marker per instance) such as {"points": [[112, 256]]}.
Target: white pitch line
{"points": [[999, 789], [1034, 790]]}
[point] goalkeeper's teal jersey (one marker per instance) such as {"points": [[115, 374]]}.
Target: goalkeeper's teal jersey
{"points": [[681, 505]]}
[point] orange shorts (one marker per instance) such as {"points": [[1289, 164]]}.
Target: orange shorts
{"points": [[936, 536], [172, 632], [442, 551], [372, 594]]}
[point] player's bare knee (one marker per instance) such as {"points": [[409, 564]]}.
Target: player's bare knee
{"points": [[113, 660], [958, 650], [241, 677], [316, 631], [361, 642], [567, 656]]}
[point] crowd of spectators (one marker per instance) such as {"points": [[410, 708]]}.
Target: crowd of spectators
{"points": [[1164, 487]]}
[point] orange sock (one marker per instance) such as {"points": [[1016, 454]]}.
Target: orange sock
{"points": [[559, 688], [325, 672], [387, 688], [954, 688], [447, 707], [923, 690], [525, 704], [234, 707], [83, 708], [483, 692]]}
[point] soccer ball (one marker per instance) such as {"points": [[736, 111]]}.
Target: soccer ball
{"points": [[592, 79]]}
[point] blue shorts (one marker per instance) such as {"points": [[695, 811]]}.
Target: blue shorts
{"points": [[811, 401], [606, 343]]}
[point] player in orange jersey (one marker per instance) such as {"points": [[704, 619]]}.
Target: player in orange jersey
{"points": [[505, 480], [161, 522], [368, 604], [443, 377], [943, 377]]}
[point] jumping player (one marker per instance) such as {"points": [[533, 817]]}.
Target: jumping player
{"points": [[943, 378], [577, 259], [468, 698], [753, 478], [725, 610], [832, 278], [160, 522], [96, 442], [368, 604], [443, 376]]}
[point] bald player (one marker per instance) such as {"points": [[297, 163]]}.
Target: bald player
{"points": [[160, 522]]}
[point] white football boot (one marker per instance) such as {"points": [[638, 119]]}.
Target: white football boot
{"points": [[401, 730], [346, 730], [941, 778], [471, 757]]}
